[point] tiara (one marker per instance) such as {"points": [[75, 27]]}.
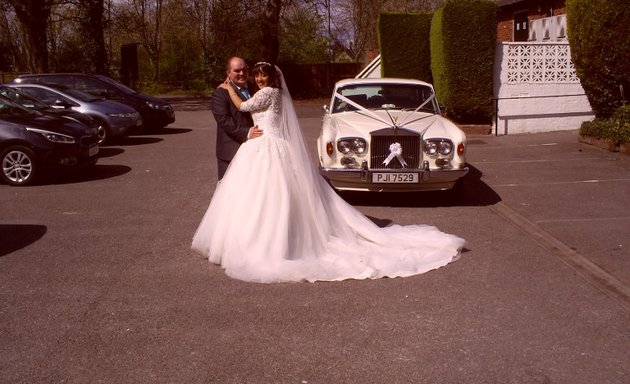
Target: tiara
{"points": [[262, 63]]}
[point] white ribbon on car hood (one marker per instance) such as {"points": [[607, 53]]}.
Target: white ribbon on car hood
{"points": [[362, 108], [395, 150], [366, 112]]}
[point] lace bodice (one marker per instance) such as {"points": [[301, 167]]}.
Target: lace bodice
{"points": [[265, 107]]}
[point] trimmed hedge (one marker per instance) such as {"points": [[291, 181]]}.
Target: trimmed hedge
{"points": [[615, 129], [598, 33], [463, 40], [404, 43]]}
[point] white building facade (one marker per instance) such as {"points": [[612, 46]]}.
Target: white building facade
{"points": [[536, 88]]}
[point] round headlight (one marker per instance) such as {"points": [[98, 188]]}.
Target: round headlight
{"points": [[445, 147], [430, 147], [348, 145], [359, 146], [344, 146]]}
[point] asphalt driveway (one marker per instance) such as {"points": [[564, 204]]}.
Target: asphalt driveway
{"points": [[99, 285]]}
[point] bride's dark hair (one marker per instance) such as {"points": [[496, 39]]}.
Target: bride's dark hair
{"points": [[269, 70]]}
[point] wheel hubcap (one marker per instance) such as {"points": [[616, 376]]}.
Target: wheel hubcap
{"points": [[16, 166], [102, 134]]}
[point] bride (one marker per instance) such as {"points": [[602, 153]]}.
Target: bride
{"points": [[273, 218]]}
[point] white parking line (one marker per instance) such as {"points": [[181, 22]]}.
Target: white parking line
{"points": [[584, 220], [559, 183], [535, 161]]}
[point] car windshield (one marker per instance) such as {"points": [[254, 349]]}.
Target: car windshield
{"points": [[11, 109], [116, 84], [22, 98], [385, 96], [82, 96]]}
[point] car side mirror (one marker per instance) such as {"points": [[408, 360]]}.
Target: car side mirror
{"points": [[62, 104], [325, 108]]}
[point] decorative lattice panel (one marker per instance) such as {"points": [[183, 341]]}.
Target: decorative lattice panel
{"points": [[540, 63]]}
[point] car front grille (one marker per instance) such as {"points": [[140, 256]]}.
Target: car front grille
{"points": [[88, 141], [381, 140]]}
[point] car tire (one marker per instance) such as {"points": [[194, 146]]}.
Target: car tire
{"points": [[104, 134], [19, 165]]}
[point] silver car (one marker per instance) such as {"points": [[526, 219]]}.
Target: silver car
{"points": [[115, 119]]}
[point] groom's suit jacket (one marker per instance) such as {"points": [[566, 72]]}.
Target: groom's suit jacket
{"points": [[232, 124]]}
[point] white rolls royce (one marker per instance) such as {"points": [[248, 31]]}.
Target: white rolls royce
{"points": [[387, 134]]}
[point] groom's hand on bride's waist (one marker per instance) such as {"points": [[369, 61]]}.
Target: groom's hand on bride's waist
{"points": [[254, 132]]}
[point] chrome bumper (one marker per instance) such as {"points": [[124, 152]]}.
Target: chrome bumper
{"points": [[360, 179]]}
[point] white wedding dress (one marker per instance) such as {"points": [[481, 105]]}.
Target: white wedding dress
{"points": [[273, 218]]}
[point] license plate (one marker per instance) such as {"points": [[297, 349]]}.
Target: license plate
{"points": [[395, 178], [93, 150]]}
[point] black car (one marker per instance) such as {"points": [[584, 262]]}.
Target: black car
{"points": [[27, 101], [31, 141], [156, 113]]}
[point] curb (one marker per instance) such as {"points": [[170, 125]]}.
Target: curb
{"points": [[476, 129], [606, 144]]}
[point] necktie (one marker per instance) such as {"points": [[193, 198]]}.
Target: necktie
{"points": [[245, 93]]}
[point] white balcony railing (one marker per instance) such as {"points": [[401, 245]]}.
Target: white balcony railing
{"points": [[549, 29], [540, 63]]}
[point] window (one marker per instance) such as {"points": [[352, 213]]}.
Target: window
{"points": [[521, 21]]}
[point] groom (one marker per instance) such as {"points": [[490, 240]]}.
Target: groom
{"points": [[233, 126]]}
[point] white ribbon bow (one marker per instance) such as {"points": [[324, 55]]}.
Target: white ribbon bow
{"points": [[395, 150]]}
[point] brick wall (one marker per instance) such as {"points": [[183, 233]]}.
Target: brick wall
{"points": [[504, 30]]}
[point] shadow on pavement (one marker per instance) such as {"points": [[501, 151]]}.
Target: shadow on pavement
{"points": [[135, 140], [472, 191], [172, 131], [109, 152], [18, 236], [96, 172], [161, 131]]}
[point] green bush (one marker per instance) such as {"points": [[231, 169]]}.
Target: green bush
{"points": [[463, 40], [622, 113], [615, 129], [622, 116], [153, 88], [404, 45], [600, 49]]}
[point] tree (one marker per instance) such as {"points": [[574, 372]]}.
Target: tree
{"points": [[142, 21], [363, 16], [92, 25], [300, 35], [150, 23], [598, 33], [355, 22], [33, 16], [270, 25], [10, 56], [76, 40]]}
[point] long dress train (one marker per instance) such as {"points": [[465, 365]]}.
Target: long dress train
{"points": [[272, 218]]}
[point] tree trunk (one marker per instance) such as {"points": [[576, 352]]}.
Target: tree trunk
{"points": [[271, 20], [33, 16], [92, 24]]}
